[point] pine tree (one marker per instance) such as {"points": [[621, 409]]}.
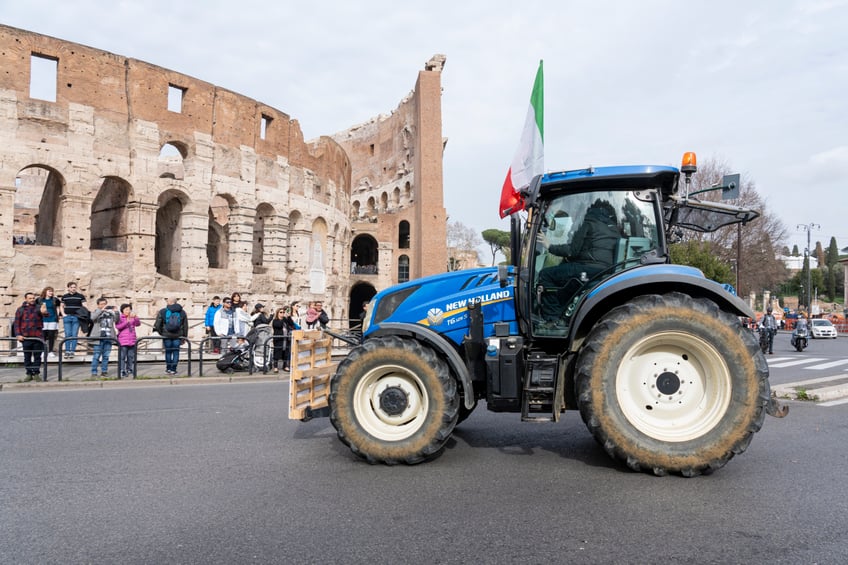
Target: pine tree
{"points": [[832, 253]]}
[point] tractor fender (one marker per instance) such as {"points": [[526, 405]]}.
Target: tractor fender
{"points": [[440, 344], [652, 279]]}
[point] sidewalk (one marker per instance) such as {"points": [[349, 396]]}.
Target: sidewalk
{"points": [[76, 373]]}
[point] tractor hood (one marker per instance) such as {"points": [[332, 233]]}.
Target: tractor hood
{"points": [[441, 302]]}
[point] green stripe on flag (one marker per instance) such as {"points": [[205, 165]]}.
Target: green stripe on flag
{"points": [[537, 100]]}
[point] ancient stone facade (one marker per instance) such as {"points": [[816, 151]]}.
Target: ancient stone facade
{"points": [[398, 217], [139, 183]]}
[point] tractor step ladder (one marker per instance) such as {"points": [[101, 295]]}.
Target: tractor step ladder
{"points": [[541, 399]]}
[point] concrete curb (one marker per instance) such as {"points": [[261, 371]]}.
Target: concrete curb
{"points": [[820, 394]]}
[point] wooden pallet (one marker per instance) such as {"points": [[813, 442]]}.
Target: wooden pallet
{"points": [[311, 368]]}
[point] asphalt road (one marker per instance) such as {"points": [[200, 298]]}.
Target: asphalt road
{"points": [[217, 474]]}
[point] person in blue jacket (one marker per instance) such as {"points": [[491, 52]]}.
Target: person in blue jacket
{"points": [[209, 322]]}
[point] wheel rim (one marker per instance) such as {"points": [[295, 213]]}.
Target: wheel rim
{"points": [[391, 403], [673, 387]]}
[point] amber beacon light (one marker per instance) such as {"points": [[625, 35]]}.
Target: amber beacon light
{"points": [[690, 163]]}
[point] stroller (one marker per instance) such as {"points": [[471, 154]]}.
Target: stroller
{"points": [[255, 346]]}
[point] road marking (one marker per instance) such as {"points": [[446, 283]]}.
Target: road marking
{"points": [[829, 365], [774, 360], [812, 381], [834, 402], [798, 362]]}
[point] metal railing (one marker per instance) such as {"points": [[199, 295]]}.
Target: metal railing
{"points": [[14, 348], [195, 351], [152, 338], [87, 340]]}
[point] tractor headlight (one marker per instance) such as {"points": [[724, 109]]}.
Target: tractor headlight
{"points": [[366, 319], [389, 303]]}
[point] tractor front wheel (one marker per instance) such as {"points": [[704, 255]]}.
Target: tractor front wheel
{"points": [[393, 400]]}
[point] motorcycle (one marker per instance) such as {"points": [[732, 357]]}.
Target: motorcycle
{"points": [[798, 339], [764, 340]]}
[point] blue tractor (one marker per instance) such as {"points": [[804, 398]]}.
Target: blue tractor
{"points": [[591, 316]]}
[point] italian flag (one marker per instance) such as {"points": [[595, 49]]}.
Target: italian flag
{"points": [[529, 159]]}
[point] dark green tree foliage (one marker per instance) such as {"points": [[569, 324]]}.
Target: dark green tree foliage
{"points": [[799, 279], [701, 256], [831, 284], [832, 254], [498, 241], [795, 251]]}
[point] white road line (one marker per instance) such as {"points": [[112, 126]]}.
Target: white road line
{"points": [[829, 365], [834, 402], [798, 362], [773, 360], [811, 381]]}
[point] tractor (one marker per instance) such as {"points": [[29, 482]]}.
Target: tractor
{"points": [[590, 315]]}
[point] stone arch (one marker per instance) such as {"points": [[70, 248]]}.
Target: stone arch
{"points": [[216, 243], [359, 293], [37, 217], [372, 206], [218, 234], [172, 156], [356, 206], [384, 201], [364, 255], [403, 268], [169, 240], [264, 214], [396, 197], [295, 220], [407, 193], [403, 234], [109, 215]]}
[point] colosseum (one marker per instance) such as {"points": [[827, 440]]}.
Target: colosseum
{"points": [[140, 183]]}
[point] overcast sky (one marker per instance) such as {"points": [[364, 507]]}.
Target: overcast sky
{"points": [[762, 85]]}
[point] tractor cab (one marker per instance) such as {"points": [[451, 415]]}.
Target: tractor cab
{"points": [[587, 229], [580, 232]]}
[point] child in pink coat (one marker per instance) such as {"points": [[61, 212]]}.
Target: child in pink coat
{"points": [[126, 340]]}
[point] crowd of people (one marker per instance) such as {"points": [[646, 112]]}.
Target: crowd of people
{"points": [[228, 323]]}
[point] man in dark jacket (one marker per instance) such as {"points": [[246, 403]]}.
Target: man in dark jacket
{"points": [[28, 328], [591, 250], [172, 324]]}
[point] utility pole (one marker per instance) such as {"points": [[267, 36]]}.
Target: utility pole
{"points": [[808, 252]]}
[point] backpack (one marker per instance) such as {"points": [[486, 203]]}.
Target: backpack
{"points": [[173, 322]]}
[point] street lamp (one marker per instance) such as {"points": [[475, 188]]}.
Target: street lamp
{"points": [[734, 265], [808, 254]]}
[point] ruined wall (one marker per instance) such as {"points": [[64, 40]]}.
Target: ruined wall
{"points": [[114, 196], [109, 185], [396, 180]]}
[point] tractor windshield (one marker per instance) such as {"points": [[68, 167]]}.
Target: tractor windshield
{"points": [[582, 239]]}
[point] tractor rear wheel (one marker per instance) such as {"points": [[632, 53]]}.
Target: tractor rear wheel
{"points": [[672, 384], [393, 400]]}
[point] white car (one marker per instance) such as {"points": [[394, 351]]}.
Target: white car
{"points": [[822, 328]]}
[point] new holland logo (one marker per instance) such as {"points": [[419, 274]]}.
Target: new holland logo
{"points": [[435, 316]]}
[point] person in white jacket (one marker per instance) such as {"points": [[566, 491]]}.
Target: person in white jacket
{"points": [[243, 321], [225, 324]]}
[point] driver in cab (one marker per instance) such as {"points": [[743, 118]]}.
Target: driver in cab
{"points": [[591, 250]]}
